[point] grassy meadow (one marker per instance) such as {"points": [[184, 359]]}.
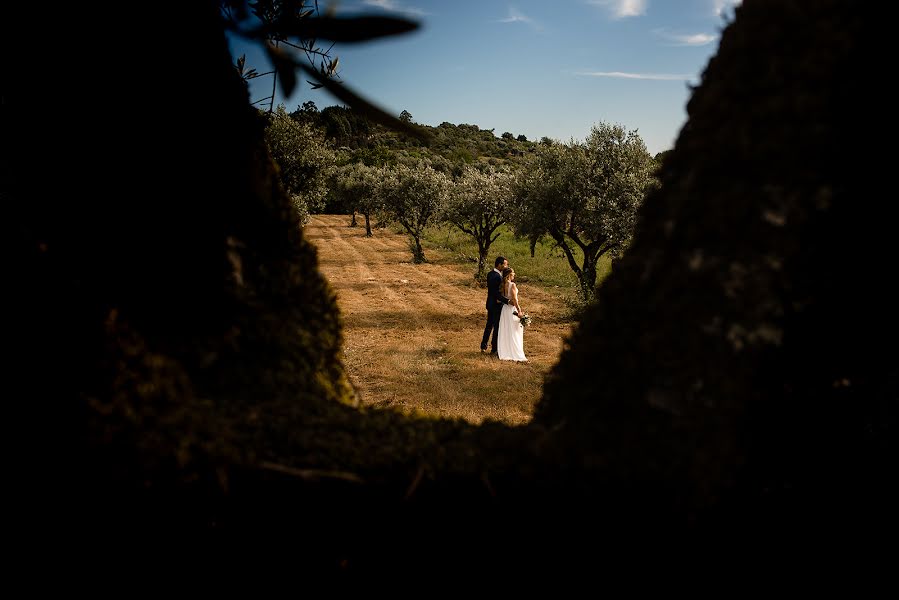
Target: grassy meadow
{"points": [[412, 331], [548, 268]]}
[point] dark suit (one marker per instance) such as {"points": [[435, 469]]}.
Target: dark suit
{"points": [[495, 302]]}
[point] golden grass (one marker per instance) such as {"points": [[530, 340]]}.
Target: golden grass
{"points": [[412, 332]]}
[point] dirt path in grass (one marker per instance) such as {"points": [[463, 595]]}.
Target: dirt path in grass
{"points": [[412, 332]]}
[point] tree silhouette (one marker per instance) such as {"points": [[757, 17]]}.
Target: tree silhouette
{"points": [[175, 366]]}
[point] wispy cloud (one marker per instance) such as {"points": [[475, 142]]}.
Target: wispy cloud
{"points": [[396, 7], [650, 76], [722, 6], [622, 8], [686, 39], [516, 16]]}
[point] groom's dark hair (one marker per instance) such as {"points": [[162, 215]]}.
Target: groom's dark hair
{"points": [[499, 260]]}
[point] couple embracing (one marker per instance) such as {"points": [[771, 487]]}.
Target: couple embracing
{"points": [[502, 314]]}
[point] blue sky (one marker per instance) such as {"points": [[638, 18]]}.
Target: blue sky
{"points": [[547, 68]]}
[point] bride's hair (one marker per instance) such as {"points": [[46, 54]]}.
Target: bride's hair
{"points": [[507, 273]]}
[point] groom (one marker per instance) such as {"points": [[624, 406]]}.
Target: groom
{"points": [[495, 302]]}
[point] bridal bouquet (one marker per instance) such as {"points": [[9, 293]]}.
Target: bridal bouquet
{"points": [[525, 319]]}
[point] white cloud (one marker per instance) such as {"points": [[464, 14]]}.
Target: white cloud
{"points": [[622, 8], [721, 6], [650, 76], [516, 16], [395, 7], [686, 39]]}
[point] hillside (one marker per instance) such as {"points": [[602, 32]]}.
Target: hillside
{"points": [[450, 146]]}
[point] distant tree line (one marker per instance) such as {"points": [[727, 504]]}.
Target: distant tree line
{"points": [[582, 196]]}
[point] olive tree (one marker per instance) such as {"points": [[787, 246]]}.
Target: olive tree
{"points": [[304, 161], [359, 186], [413, 197], [477, 205], [585, 196]]}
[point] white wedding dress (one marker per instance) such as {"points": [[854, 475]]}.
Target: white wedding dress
{"points": [[511, 333]]}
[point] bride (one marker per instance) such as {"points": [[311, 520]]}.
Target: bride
{"points": [[511, 333]]}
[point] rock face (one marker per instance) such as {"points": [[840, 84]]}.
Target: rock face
{"points": [[732, 364]]}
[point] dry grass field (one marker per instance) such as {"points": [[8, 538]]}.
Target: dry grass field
{"points": [[412, 332]]}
